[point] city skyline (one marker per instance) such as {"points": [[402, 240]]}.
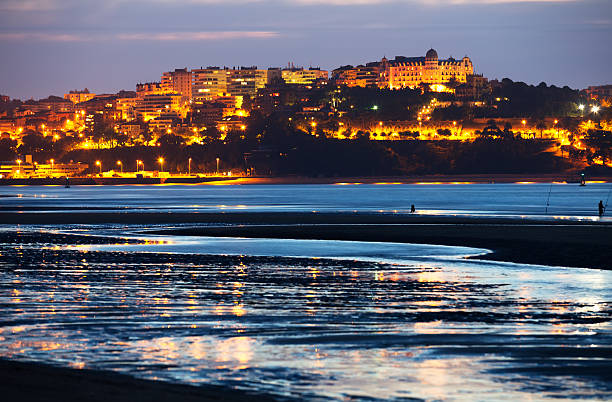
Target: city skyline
{"points": [[55, 46]]}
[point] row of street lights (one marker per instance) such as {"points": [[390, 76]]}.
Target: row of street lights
{"points": [[140, 165]]}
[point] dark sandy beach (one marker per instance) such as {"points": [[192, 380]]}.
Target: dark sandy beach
{"points": [[586, 246], [36, 382]]}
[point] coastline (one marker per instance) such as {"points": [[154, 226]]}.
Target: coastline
{"points": [[270, 180], [560, 242], [579, 246]]}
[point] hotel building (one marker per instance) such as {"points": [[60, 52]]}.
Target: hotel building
{"points": [[406, 72]]}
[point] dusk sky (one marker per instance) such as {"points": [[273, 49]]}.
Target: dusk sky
{"points": [[52, 46]]}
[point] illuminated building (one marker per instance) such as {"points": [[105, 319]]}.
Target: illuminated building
{"points": [[231, 123], [475, 87], [52, 103], [359, 76], [406, 72], [4, 99], [178, 81], [599, 92], [148, 88], [163, 123], [154, 105], [246, 80], [132, 130], [209, 113], [27, 169], [79, 96], [303, 77], [7, 125], [210, 83], [126, 106]]}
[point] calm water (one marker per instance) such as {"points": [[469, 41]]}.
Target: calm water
{"points": [[530, 200], [308, 319]]}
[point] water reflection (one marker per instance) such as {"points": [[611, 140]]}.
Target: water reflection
{"points": [[436, 327]]}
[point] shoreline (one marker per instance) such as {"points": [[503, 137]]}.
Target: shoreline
{"points": [[560, 242], [59, 215], [578, 246], [570, 178], [36, 382]]}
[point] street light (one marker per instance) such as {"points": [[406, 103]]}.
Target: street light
{"points": [[120, 165], [217, 166], [595, 109], [99, 164], [161, 164], [19, 163], [189, 166], [52, 162]]}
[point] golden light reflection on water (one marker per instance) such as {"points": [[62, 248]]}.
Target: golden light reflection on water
{"points": [[237, 349], [194, 318], [430, 276]]}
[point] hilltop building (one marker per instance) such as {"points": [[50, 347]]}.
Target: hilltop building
{"points": [[406, 72], [602, 92], [79, 96], [148, 88]]}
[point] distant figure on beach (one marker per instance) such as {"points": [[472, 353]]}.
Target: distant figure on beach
{"points": [[602, 209], [412, 209]]}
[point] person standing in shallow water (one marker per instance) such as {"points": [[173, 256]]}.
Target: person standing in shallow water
{"points": [[602, 209], [412, 209]]}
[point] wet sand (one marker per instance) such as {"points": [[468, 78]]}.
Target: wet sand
{"points": [[36, 382], [586, 244], [589, 244]]}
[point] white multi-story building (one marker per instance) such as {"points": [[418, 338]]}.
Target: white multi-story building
{"points": [[211, 83]]}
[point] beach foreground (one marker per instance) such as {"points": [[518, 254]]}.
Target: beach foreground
{"points": [[282, 319], [37, 382]]}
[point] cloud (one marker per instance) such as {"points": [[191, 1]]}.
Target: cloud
{"points": [[158, 36], [29, 5], [423, 2], [197, 36], [50, 5], [352, 2], [20, 36], [601, 22]]}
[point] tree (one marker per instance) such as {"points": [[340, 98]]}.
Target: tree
{"points": [[540, 126], [601, 143], [8, 149]]}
